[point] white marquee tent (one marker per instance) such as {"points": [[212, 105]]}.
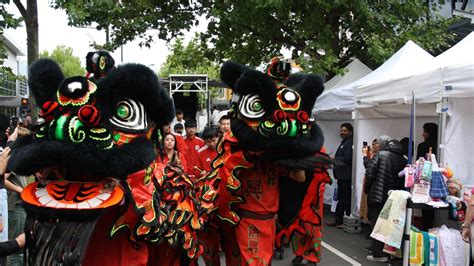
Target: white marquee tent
{"points": [[382, 102], [454, 68], [409, 59], [353, 71], [330, 122], [449, 80], [336, 105]]}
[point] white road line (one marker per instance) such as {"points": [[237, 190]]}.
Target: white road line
{"points": [[340, 254]]}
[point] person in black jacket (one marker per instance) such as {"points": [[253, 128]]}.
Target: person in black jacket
{"points": [[343, 175], [12, 246], [381, 176], [430, 137]]}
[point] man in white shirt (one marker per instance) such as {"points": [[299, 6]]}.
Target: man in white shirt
{"points": [[215, 116], [178, 119]]}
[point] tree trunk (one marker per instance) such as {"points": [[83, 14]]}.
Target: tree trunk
{"points": [[31, 22], [32, 43]]}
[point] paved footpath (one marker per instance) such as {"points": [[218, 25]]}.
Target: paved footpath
{"points": [[339, 249]]}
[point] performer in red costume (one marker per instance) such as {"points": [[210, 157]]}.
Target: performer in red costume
{"points": [[194, 143], [300, 216], [181, 146], [210, 236], [169, 152], [272, 136], [208, 152]]}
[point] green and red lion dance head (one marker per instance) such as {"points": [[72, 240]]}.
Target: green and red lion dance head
{"points": [[272, 111]]}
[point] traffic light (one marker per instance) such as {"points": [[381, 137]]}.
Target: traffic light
{"points": [[24, 101]]}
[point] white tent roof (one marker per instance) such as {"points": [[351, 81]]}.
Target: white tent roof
{"points": [[353, 71], [457, 65], [453, 69], [459, 54], [409, 59]]}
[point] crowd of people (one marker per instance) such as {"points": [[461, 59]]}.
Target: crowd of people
{"points": [[194, 152], [384, 159], [12, 213], [181, 145]]}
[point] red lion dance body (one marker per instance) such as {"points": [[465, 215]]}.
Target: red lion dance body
{"points": [[271, 163]]}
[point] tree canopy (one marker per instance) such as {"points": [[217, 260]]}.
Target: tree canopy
{"points": [[188, 59], [7, 20], [70, 64], [127, 20], [321, 35]]}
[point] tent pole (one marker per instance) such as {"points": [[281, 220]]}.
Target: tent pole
{"points": [[354, 162], [441, 130], [415, 150]]}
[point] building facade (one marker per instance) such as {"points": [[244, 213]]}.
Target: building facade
{"points": [[13, 91]]}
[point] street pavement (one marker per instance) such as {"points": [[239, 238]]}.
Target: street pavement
{"points": [[339, 248]]}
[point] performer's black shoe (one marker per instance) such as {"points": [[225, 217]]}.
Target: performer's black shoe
{"points": [[298, 260]]}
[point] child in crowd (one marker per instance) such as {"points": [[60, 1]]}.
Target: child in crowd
{"points": [[178, 129]]}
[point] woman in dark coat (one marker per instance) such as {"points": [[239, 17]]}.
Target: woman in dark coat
{"points": [[382, 176]]}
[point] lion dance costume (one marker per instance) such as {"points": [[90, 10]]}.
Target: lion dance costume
{"points": [[102, 198], [272, 136]]}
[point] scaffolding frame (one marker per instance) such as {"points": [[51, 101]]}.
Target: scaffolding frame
{"points": [[177, 83]]}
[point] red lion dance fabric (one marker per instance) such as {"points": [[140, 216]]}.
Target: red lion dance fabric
{"points": [[101, 197], [271, 165]]}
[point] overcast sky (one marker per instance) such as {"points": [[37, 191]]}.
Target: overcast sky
{"points": [[54, 31]]}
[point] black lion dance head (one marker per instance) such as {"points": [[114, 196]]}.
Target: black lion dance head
{"points": [[94, 156]]}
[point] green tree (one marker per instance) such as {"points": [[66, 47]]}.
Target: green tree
{"points": [[322, 35], [70, 64], [127, 20], [7, 20], [190, 59]]}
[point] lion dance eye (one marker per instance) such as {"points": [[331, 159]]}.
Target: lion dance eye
{"points": [[251, 107], [130, 114], [123, 111]]}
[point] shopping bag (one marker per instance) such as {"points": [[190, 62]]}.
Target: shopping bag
{"points": [[438, 185]]}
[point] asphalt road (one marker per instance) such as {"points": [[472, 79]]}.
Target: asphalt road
{"points": [[339, 248]]}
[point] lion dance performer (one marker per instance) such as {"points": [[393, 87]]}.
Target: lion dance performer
{"points": [[272, 139], [101, 197]]}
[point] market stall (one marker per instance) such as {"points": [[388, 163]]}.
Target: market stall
{"points": [[447, 82]]}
